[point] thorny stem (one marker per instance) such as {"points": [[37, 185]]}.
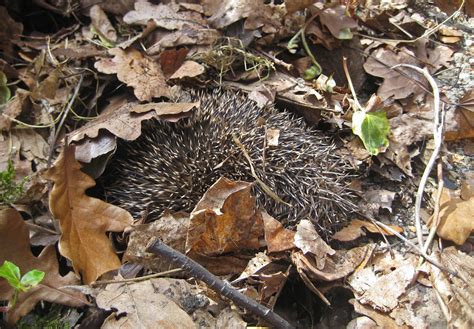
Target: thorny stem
{"points": [[438, 139], [194, 269]]}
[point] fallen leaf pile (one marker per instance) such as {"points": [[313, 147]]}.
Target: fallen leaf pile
{"points": [[79, 79]]}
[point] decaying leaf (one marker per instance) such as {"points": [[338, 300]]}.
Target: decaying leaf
{"points": [[338, 23], [277, 237], [84, 220], [456, 216], [138, 71], [139, 305], [171, 228], [354, 230], [102, 24], [15, 247], [225, 219], [309, 241]]}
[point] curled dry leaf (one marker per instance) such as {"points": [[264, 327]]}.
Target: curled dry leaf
{"points": [[84, 220], [456, 216], [354, 230], [15, 247], [189, 69], [226, 219], [309, 241], [138, 71], [277, 237], [102, 24]]}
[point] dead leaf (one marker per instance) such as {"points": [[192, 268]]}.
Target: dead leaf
{"points": [[15, 247], [189, 69], [277, 237], [140, 72], [381, 292], [172, 59], [455, 291], [226, 219], [171, 228], [456, 222], [84, 221], [9, 30], [395, 84], [464, 118], [337, 22], [382, 320], [102, 23], [309, 241], [354, 230], [119, 121], [337, 266], [166, 16], [139, 305], [224, 13], [14, 108], [185, 37], [380, 198]]}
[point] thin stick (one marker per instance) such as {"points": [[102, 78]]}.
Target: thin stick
{"points": [[436, 221], [438, 139], [225, 289], [142, 278]]}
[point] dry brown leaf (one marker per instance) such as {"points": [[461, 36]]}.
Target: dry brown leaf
{"points": [[9, 30], [84, 220], [140, 72], [125, 121], [456, 216], [189, 69], [172, 59], [102, 23], [224, 13], [395, 85], [382, 320], [15, 247], [309, 241], [185, 37], [464, 117], [166, 16], [382, 292], [277, 237], [456, 292], [139, 305], [13, 108], [170, 228], [337, 266], [336, 20], [354, 230], [226, 219]]}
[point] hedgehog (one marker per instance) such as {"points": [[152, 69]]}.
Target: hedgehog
{"points": [[172, 164]]}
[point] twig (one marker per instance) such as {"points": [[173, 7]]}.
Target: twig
{"points": [[435, 222], [142, 278], [438, 139], [417, 249], [351, 86], [58, 129], [426, 34], [225, 289]]}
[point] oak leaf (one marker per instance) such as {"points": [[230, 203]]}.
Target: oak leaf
{"points": [[15, 247], [84, 220]]}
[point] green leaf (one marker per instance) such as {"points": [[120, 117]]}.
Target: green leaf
{"points": [[345, 34], [11, 273], [5, 93], [312, 72], [373, 129], [31, 279]]}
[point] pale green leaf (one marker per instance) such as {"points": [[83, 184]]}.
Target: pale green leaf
{"points": [[11, 273], [373, 129], [31, 279]]}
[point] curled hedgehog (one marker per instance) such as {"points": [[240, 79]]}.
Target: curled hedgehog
{"points": [[171, 165]]}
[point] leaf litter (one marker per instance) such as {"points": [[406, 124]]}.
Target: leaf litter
{"points": [[129, 61]]}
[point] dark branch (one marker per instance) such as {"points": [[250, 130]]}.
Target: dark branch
{"points": [[221, 287]]}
